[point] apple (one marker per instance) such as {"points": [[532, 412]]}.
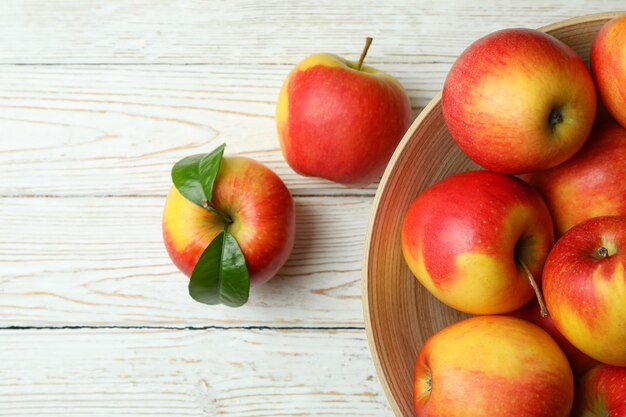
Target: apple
{"points": [[590, 184], [584, 285], [472, 240], [340, 121], [608, 65], [601, 393], [261, 210], [492, 366], [579, 362], [518, 101]]}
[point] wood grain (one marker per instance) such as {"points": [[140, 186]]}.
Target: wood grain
{"points": [[117, 130], [234, 373], [422, 34], [400, 314], [101, 261]]}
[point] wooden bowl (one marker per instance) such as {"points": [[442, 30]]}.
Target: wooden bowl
{"points": [[400, 314]]}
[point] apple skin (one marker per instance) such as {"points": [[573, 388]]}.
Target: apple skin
{"points": [[460, 238], [608, 65], [519, 101], [601, 393], [586, 293], [579, 362], [261, 208], [340, 123], [492, 366], [590, 184]]}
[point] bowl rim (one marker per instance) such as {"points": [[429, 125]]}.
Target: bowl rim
{"points": [[371, 339]]}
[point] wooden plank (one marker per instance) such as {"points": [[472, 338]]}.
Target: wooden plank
{"points": [[250, 32], [187, 373], [101, 261], [112, 130]]}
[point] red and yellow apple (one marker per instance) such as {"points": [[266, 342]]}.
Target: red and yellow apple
{"points": [[492, 366], [579, 362], [608, 65], [584, 284], [590, 184], [468, 237], [339, 122], [260, 207], [518, 101], [601, 393]]}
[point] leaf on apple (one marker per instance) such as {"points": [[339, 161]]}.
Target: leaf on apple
{"points": [[221, 275], [195, 175]]}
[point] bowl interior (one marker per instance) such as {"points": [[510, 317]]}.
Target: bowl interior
{"points": [[399, 313]]}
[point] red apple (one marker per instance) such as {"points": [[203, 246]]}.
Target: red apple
{"points": [[579, 362], [262, 213], [340, 122], [492, 366], [584, 285], [608, 65], [590, 184], [518, 101], [601, 393], [468, 237]]}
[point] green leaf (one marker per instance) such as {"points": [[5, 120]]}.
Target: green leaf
{"points": [[209, 167], [221, 274], [195, 175]]}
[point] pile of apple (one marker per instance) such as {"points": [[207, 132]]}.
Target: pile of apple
{"points": [[520, 102]]}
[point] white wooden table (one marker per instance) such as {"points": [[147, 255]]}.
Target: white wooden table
{"points": [[97, 101]]}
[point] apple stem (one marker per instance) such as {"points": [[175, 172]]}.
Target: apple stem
{"points": [[533, 283], [368, 42], [208, 206], [602, 252]]}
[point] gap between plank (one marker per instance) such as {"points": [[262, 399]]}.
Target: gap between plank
{"points": [[191, 64], [34, 196], [192, 328]]}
